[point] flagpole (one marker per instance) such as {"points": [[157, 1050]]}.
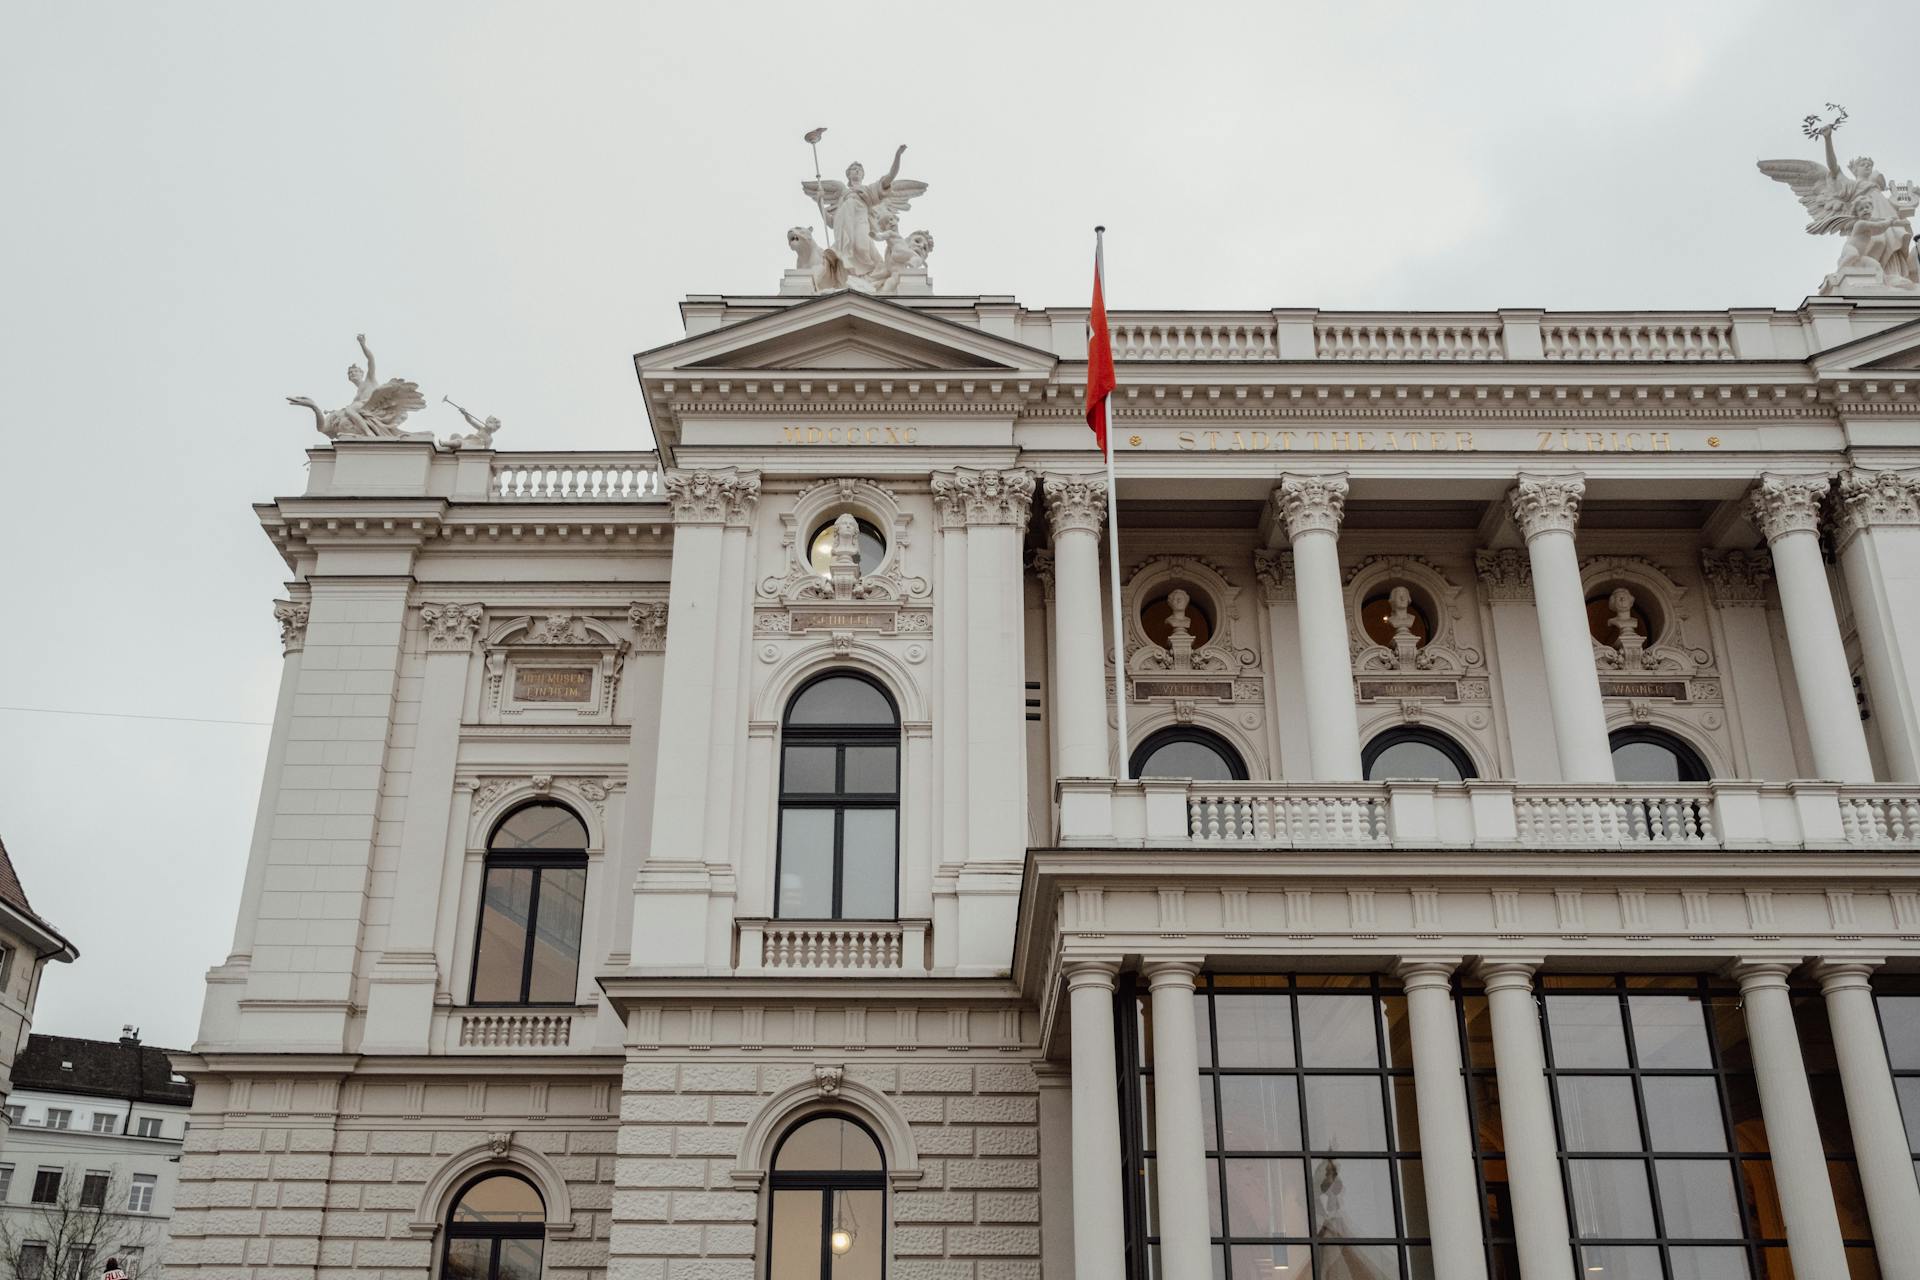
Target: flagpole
{"points": [[1113, 538]]}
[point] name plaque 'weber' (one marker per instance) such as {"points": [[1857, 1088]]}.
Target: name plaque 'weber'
{"points": [[553, 684], [1221, 690], [1675, 689]]}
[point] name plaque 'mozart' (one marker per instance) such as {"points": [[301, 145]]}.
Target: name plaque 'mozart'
{"points": [[553, 684]]}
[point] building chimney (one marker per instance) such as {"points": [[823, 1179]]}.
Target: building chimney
{"points": [[130, 1036]]}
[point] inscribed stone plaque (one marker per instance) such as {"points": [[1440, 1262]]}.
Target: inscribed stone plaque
{"points": [[1398, 687], [553, 684], [1220, 689], [1675, 689], [843, 620]]}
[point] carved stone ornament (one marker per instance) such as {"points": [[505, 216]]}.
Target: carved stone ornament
{"points": [[1868, 499], [1779, 505], [1737, 579], [827, 1080], [649, 621], [562, 639], [1407, 580], [1041, 562], [1546, 504], [377, 409], [499, 1143], [1274, 571], [292, 617], [1875, 216], [451, 627], [840, 500], [966, 496], [867, 251], [1184, 582], [1636, 583], [1076, 503], [1506, 575], [725, 495], [1309, 503]]}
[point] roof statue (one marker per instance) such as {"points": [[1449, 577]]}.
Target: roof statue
{"points": [[482, 437], [866, 250], [377, 408], [1858, 203]]}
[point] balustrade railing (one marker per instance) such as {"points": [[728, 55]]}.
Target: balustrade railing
{"points": [[1578, 340], [1266, 817], [832, 946], [1194, 338], [1608, 818], [515, 1030], [1414, 340], [600, 478], [1880, 818]]}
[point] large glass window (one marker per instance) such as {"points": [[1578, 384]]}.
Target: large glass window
{"points": [[1188, 753], [495, 1231], [1648, 755], [1899, 1000], [1408, 753], [535, 889], [829, 1207], [1313, 1152], [839, 802], [1665, 1154]]}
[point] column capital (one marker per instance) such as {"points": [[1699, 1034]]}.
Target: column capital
{"points": [[724, 495], [1098, 974], [1546, 504], [969, 496], [1041, 562], [292, 616], [649, 621], [1311, 503], [1845, 974], [1507, 973], [1762, 974], [1783, 504], [1171, 971], [451, 628], [1737, 579], [1419, 972], [1076, 503], [1274, 571], [1872, 499], [1506, 575]]}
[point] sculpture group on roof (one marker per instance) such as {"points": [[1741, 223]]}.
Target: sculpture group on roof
{"points": [[378, 410], [866, 249], [1858, 202]]}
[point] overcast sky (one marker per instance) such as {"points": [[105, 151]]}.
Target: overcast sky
{"points": [[204, 202]]}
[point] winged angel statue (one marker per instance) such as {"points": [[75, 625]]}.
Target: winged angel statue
{"points": [[377, 408], [1858, 203], [867, 251]]}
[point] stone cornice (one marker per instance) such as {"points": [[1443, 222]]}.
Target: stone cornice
{"points": [[967, 496], [1737, 579], [1076, 503], [451, 627], [724, 495], [1506, 575], [1546, 504], [1875, 499], [1310, 503], [1783, 504]]}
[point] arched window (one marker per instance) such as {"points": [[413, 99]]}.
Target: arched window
{"points": [[829, 1219], [1408, 752], [839, 802], [528, 948], [1648, 755], [873, 548], [495, 1231], [1186, 752]]}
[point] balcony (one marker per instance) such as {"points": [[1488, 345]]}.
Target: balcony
{"points": [[1724, 814], [812, 948]]}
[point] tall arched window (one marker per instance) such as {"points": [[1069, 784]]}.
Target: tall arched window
{"points": [[495, 1231], [1648, 755], [829, 1219], [1410, 752], [1185, 752], [528, 948], [839, 802]]}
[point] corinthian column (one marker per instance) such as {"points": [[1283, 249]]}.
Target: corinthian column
{"points": [[1878, 539], [1075, 505], [1546, 508], [1787, 510], [1311, 508]]}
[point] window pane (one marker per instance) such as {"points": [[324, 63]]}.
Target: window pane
{"points": [[827, 1145], [1645, 762], [858, 1213], [556, 936], [873, 770], [868, 863], [1669, 1031], [1266, 1197], [1763, 1200], [1413, 760], [1353, 1198], [503, 933], [1344, 1113], [1620, 1262], [809, 771], [1586, 1032], [1696, 1199], [1597, 1113], [540, 826], [1273, 1262], [1187, 759], [1702, 1262], [794, 1240], [841, 700], [1406, 1114], [1338, 1031], [1260, 1113], [1909, 1089], [1356, 1260], [1900, 1017], [519, 1260], [499, 1199], [1683, 1113], [468, 1259], [1254, 1031], [806, 864], [1849, 1200], [1610, 1199], [1413, 1197]]}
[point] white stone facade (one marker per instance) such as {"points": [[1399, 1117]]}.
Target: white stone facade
{"points": [[468, 631]]}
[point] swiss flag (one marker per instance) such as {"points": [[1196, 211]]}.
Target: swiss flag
{"points": [[1100, 381]]}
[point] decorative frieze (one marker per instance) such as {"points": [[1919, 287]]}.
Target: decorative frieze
{"points": [[725, 495], [1076, 503], [1315, 503], [1737, 579], [451, 628], [967, 496], [1779, 505], [1506, 575], [1546, 504], [649, 621], [292, 617], [1871, 499]]}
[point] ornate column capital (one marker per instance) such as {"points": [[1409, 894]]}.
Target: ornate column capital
{"points": [[1172, 971], [1076, 503], [1311, 503], [1506, 575], [1274, 570], [649, 621], [292, 617], [1042, 564], [966, 496], [1546, 504], [1870, 499], [725, 495], [1779, 505], [1737, 579], [451, 627]]}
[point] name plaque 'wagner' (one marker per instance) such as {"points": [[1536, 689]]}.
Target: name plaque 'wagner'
{"points": [[553, 684], [1218, 689], [1403, 688], [1675, 689]]}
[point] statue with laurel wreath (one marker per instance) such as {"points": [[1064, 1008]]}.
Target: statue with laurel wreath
{"points": [[865, 250], [1876, 218]]}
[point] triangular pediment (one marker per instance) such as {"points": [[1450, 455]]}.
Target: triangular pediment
{"points": [[1891, 349]]}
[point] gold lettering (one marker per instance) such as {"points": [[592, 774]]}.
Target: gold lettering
{"points": [[815, 435], [1463, 440], [1662, 441], [1363, 439], [1633, 442], [1260, 441], [1186, 440], [1286, 439], [1236, 442], [1545, 444], [1213, 439], [909, 435], [1595, 442], [792, 435]]}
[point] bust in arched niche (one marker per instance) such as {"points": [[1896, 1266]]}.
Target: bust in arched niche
{"points": [[1401, 617], [1180, 629], [1626, 630]]}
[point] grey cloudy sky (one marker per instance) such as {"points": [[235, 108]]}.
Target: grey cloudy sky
{"points": [[204, 202]]}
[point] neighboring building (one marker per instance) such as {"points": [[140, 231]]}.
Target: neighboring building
{"points": [[27, 943], [719, 864], [95, 1153]]}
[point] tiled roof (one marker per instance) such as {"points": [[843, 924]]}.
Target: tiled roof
{"points": [[100, 1068], [14, 894]]}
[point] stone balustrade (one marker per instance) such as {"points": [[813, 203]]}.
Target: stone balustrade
{"points": [[1573, 338], [602, 477], [1186, 336], [813, 947], [513, 1029], [1723, 814], [1424, 338]]}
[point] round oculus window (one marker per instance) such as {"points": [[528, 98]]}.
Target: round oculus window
{"points": [[1377, 620], [873, 549], [1600, 613], [1157, 619]]}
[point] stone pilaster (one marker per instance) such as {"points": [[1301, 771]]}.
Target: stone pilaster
{"points": [[1877, 537]]}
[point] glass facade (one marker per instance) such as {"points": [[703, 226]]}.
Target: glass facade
{"points": [[1898, 999]]}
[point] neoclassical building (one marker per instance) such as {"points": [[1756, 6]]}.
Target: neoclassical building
{"points": [[722, 863]]}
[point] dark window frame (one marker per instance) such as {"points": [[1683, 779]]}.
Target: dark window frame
{"points": [[52, 1193], [1378, 745], [1191, 734], [826, 1182], [537, 860], [839, 800], [495, 1232], [1693, 765]]}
